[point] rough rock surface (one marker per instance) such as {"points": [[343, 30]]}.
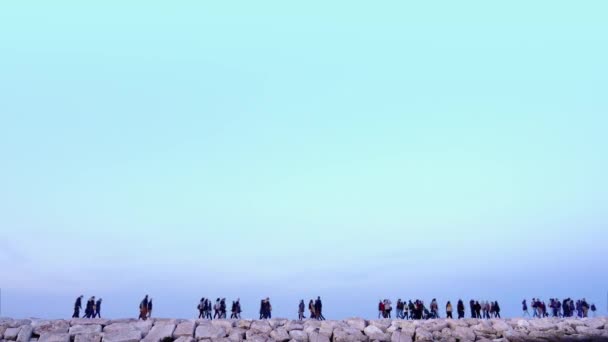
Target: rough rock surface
{"points": [[282, 330]]}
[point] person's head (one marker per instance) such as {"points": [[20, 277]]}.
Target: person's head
{"points": [[99, 300], [217, 300], [81, 296]]}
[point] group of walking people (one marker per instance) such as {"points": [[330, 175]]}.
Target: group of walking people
{"points": [[145, 308], [418, 310], [219, 309], [92, 308], [315, 307], [565, 308]]}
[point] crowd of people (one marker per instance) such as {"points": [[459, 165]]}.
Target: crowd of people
{"points": [[315, 307], [563, 308], [92, 308], [205, 308], [145, 308], [410, 310], [418, 310]]}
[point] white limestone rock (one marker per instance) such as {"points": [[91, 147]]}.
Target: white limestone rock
{"points": [[357, 323], [184, 339], [237, 335], [159, 332], [280, 335], [423, 335], [463, 334], [293, 325], [25, 333], [10, 334], [208, 331], [54, 337], [375, 333], [123, 335], [86, 321], [243, 324], [54, 326], [261, 327], [87, 338], [318, 337], [85, 329], [184, 329], [227, 325], [299, 335]]}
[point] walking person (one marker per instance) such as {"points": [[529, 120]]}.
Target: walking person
{"points": [[217, 309], [150, 308], [496, 309], [201, 308], [319, 309], [143, 309], [97, 313], [208, 309], [301, 308], [238, 308], [460, 309], [89, 310], [381, 309], [311, 307], [448, 310], [77, 307], [524, 307]]}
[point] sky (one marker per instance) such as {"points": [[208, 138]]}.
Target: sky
{"points": [[349, 150]]}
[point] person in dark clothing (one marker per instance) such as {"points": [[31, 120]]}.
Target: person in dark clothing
{"points": [[238, 308], [319, 309], [496, 310], [472, 305], [208, 309], [89, 310], [201, 308], [143, 309], [150, 308], [77, 307], [301, 309], [460, 309], [223, 308], [477, 310], [97, 309]]}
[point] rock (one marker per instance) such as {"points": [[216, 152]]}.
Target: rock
{"points": [[237, 335], [280, 335], [299, 335], [423, 335], [220, 339], [348, 334], [501, 326], [124, 335], [595, 324], [10, 334], [542, 325], [85, 329], [243, 324], [327, 328], [185, 329], [57, 326], [382, 324], [208, 331], [25, 333], [463, 334], [589, 332], [143, 326], [53, 337], [261, 327], [184, 339], [86, 321], [87, 338], [16, 323], [401, 336], [375, 333], [293, 325], [223, 323], [523, 324], [159, 332], [515, 335], [276, 322], [258, 337], [318, 337], [2, 330], [171, 321], [357, 323]]}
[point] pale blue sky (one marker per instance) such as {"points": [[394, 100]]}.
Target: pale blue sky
{"points": [[351, 150]]}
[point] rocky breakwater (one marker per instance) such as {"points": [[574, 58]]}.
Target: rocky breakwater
{"points": [[283, 330]]}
